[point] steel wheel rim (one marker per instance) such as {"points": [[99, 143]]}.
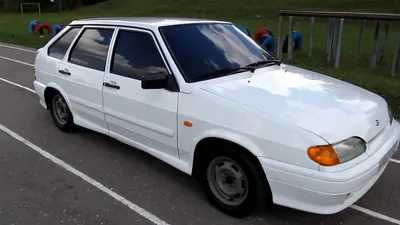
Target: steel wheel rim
{"points": [[60, 110], [227, 181]]}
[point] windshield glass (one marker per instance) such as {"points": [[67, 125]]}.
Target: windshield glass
{"points": [[203, 48]]}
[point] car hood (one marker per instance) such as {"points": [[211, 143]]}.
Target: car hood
{"points": [[328, 107]]}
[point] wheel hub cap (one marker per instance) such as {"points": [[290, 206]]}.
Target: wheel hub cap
{"points": [[227, 181], [60, 110]]}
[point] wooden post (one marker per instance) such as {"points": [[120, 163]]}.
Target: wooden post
{"points": [[290, 41]]}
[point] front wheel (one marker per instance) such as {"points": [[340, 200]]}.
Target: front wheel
{"points": [[233, 182]]}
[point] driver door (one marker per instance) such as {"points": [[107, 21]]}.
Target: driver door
{"points": [[142, 118]]}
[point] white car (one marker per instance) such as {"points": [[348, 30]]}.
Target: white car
{"points": [[205, 98]]}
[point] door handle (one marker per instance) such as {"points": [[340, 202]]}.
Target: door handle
{"points": [[106, 84], [65, 72]]}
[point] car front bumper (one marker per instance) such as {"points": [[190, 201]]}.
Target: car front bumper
{"points": [[328, 192]]}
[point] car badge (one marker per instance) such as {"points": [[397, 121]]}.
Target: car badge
{"points": [[376, 122]]}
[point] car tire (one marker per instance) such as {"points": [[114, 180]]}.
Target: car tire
{"points": [[257, 194], [64, 121]]}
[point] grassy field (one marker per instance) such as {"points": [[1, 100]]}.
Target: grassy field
{"points": [[254, 14]]}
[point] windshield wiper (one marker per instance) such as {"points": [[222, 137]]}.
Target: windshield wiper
{"points": [[227, 70], [265, 62]]}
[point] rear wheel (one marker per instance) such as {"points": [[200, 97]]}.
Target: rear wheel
{"points": [[232, 181], [61, 113]]}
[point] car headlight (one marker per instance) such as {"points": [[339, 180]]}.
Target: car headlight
{"points": [[340, 152]]}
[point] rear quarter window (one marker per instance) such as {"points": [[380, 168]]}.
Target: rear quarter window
{"points": [[60, 47]]}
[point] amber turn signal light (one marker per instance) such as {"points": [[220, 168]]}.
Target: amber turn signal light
{"points": [[324, 155], [187, 123]]}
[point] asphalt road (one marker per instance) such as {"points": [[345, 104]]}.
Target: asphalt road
{"points": [[35, 190]]}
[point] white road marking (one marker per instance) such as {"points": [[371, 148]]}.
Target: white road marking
{"points": [[395, 161], [149, 216], [17, 85], [17, 48], [375, 214], [121, 199], [17, 61]]}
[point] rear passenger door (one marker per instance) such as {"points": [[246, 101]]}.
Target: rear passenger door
{"points": [[83, 73], [143, 118], [48, 62]]}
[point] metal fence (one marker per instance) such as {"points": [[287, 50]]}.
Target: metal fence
{"points": [[335, 30]]}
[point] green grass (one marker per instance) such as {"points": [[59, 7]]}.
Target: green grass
{"points": [[254, 14]]}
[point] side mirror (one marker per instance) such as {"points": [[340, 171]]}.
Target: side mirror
{"points": [[155, 81]]}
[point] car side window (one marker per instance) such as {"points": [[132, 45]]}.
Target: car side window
{"points": [[91, 49], [60, 46], [136, 55]]}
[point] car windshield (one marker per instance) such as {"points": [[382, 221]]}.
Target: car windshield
{"points": [[203, 49]]}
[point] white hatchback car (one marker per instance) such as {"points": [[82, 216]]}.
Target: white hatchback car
{"points": [[205, 98]]}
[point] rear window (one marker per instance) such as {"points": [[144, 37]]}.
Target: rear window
{"points": [[60, 46]]}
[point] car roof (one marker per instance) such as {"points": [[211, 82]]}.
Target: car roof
{"points": [[147, 22]]}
